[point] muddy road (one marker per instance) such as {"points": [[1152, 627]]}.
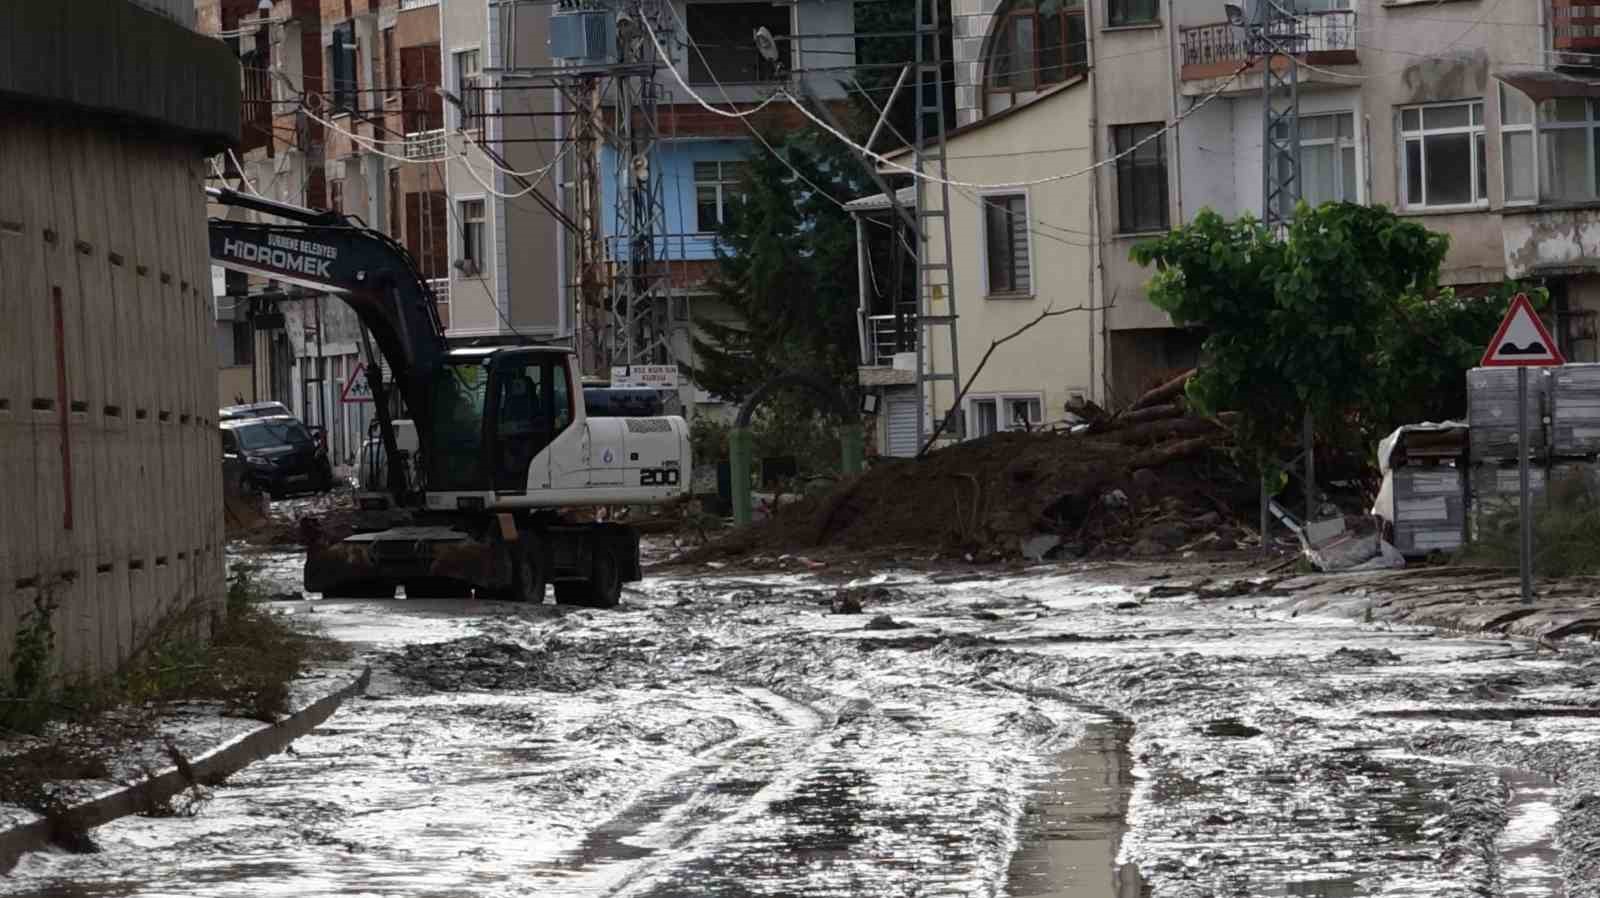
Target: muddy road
{"points": [[1028, 734]]}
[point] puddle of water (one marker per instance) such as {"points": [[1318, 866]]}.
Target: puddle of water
{"points": [[1529, 862], [1074, 824]]}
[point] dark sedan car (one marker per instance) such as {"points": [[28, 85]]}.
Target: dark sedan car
{"points": [[276, 455]]}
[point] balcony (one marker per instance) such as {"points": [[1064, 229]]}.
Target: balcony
{"points": [[1574, 34], [884, 340], [1218, 49]]}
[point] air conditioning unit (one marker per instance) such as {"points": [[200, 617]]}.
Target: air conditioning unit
{"points": [[584, 37], [467, 267]]}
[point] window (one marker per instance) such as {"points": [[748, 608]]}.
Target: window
{"points": [[472, 255], [1567, 129], [1518, 149], [680, 308], [716, 192], [471, 91], [1443, 155], [1141, 177], [421, 107], [1134, 12], [342, 66], [1328, 172], [1005, 232], [723, 33], [1036, 43], [991, 414], [336, 195]]}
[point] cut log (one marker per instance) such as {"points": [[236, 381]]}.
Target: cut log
{"points": [[1164, 393], [1170, 452], [1144, 415], [1086, 409]]}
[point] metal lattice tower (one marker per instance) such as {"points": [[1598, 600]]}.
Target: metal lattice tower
{"points": [[1277, 40], [935, 274], [640, 294]]}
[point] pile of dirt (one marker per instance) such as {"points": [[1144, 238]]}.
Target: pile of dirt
{"points": [[1060, 493], [329, 517], [1151, 479]]}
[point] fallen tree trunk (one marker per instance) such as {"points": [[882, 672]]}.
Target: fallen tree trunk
{"points": [[1159, 431], [1145, 415], [1164, 393], [1170, 452]]}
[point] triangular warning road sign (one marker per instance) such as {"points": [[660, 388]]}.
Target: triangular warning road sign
{"points": [[356, 388], [1522, 341]]}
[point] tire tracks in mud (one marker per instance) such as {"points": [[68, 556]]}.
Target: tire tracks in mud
{"points": [[669, 815]]}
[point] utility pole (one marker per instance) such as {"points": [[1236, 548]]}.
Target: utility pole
{"points": [[1274, 37]]}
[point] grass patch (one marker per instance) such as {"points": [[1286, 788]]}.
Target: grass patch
{"points": [[240, 656], [1565, 523]]}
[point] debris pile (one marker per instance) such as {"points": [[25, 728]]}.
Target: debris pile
{"points": [[1150, 480]]}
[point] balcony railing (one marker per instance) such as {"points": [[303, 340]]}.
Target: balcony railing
{"points": [[884, 339], [1329, 37], [441, 298]]}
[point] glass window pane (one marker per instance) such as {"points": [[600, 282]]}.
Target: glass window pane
{"points": [[1319, 176], [1051, 60], [1347, 176], [1445, 116], [1449, 169], [1564, 109], [1018, 221], [705, 208], [1479, 162], [1413, 172], [705, 172], [987, 416], [1477, 113], [1022, 56], [1317, 127], [1515, 107], [1411, 119], [1347, 125], [1565, 155], [1518, 150]]}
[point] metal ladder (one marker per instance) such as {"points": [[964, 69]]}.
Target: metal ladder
{"points": [[936, 295]]}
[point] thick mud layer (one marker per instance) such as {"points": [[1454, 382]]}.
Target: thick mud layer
{"points": [[1029, 735]]}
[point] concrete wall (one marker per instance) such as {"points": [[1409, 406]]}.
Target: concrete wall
{"points": [[1060, 356], [108, 433]]}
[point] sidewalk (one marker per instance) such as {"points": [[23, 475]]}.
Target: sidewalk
{"points": [[1456, 598], [190, 746]]}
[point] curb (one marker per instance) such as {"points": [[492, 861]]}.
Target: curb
{"points": [[212, 767]]}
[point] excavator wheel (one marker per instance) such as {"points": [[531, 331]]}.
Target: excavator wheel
{"points": [[527, 578], [603, 589]]}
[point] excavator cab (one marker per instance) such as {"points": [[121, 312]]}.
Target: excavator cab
{"points": [[492, 413]]}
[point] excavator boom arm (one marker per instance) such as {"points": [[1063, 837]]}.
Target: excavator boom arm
{"points": [[372, 273]]}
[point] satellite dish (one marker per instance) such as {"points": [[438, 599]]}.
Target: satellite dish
{"points": [[765, 45]]}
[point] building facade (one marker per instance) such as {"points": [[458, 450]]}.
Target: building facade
{"points": [[1022, 268], [1474, 117]]}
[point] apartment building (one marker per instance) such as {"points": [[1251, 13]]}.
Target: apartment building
{"points": [[341, 111], [701, 155], [1475, 117]]}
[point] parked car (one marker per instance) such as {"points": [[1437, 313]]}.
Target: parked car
{"points": [[253, 410], [276, 455]]}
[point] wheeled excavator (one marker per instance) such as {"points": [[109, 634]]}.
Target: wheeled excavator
{"points": [[494, 451]]}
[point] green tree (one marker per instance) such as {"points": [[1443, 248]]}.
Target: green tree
{"points": [[1343, 318], [786, 266]]}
